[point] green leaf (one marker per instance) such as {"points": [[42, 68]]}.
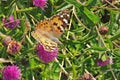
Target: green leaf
{"points": [[97, 48], [90, 3], [117, 52], [32, 63], [115, 36], [77, 4], [110, 43], [89, 16], [103, 57]]}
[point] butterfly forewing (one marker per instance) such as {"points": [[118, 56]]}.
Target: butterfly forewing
{"points": [[59, 22], [43, 25], [48, 31]]}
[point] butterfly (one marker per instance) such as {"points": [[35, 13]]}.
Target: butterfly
{"points": [[49, 30]]}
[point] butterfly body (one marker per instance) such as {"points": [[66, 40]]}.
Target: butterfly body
{"points": [[48, 31]]}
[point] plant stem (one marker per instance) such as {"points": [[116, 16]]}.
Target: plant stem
{"points": [[118, 9], [2, 35], [105, 53]]}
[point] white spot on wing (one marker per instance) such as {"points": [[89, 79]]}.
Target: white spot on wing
{"points": [[61, 27], [61, 16], [68, 15], [65, 21]]}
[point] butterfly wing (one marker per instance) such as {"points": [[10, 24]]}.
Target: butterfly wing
{"points": [[48, 31], [59, 22], [48, 44]]}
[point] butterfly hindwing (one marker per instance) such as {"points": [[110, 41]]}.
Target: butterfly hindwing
{"points": [[48, 44]]}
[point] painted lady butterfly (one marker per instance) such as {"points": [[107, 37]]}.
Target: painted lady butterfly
{"points": [[48, 31]]}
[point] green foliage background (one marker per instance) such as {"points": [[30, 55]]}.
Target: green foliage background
{"points": [[82, 44]]}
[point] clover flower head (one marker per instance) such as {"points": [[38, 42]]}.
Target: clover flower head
{"points": [[11, 73], [6, 40], [104, 63], [44, 55], [14, 47], [103, 30], [40, 3], [10, 22]]}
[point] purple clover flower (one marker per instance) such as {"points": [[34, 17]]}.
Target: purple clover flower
{"points": [[44, 55], [10, 22], [6, 40], [104, 63], [40, 3], [11, 73], [14, 47]]}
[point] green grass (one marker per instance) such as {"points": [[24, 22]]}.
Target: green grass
{"points": [[82, 44]]}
